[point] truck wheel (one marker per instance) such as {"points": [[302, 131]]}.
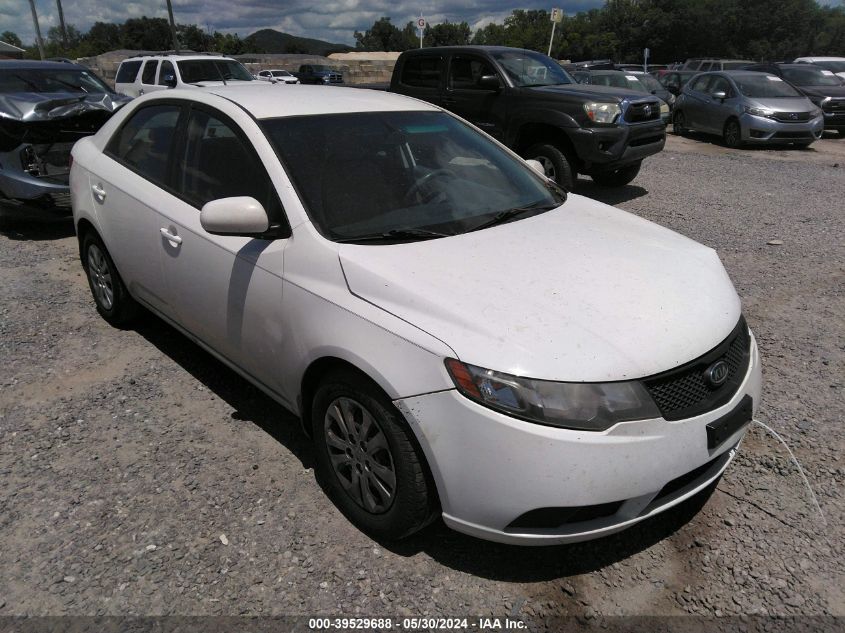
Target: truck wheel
{"points": [[556, 164], [618, 177]]}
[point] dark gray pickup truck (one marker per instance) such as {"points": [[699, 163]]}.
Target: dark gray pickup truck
{"points": [[527, 101]]}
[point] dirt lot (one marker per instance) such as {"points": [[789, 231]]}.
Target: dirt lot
{"points": [[140, 476]]}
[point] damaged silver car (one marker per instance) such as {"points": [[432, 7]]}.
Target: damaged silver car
{"points": [[45, 107]]}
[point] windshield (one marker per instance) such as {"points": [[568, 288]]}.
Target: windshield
{"points": [[762, 86], [811, 77], [281, 73], [618, 80], [322, 69], [532, 69], [832, 66], [51, 80], [196, 70], [649, 82], [369, 174]]}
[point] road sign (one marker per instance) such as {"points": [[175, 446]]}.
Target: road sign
{"points": [[557, 15], [421, 22]]}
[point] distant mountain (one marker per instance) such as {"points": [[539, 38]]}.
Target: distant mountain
{"points": [[272, 41]]}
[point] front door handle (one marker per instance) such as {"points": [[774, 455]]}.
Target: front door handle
{"points": [[170, 237], [99, 193]]}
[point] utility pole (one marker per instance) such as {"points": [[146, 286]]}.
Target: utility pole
{"points": [[37, 29], [172, 26], [62, 23]]}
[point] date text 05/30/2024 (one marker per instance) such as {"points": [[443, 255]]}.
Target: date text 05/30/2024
{"points": [[416, 624]]}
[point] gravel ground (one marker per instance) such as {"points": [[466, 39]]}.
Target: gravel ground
{"points": [[140, 476]]}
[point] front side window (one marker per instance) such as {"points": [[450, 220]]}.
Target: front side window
{"points": [[720, 84], [217, 162], [148, 75], [466, 72], [362, 175], [143, 142], [422, 72], [165, 71], [700, 83]]}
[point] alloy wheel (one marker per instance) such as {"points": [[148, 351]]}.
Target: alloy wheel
{"points": [[101, 278], [360, 455], [732, 134], [548, 166]]}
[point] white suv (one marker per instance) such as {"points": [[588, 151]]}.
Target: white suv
{"points": [[148, 73]]}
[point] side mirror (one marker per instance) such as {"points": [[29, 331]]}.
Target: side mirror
{"points": [[489, 82], [537, 166], [170, 81], [721, 95], [240, 215]]}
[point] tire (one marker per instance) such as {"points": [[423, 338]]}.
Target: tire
{"points": [[803, 145], [618, 177], [557, 165], [732, 134], [678, 120], [367, 459], [113, 300]]}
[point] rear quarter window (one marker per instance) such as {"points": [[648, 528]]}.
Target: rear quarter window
{"points": [[422, 72], [127, 72], [148, 76]]}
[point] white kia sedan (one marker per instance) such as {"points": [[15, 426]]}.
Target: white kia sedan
{"points": [[459, 336]]}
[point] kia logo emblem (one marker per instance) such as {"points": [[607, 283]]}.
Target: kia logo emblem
{"points": [[717, 373]]}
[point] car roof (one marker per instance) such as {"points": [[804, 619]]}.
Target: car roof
{"points": [[27, 64], [176, 57], [823, 59], [266, 101]]}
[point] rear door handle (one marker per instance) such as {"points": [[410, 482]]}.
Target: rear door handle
{"points": [[170, 237], [99, 193]]}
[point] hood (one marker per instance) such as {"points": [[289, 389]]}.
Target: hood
{"points": [[217, 84], [823, 91], [582, 293], [784, 104], [50, 106], [588, 91]]}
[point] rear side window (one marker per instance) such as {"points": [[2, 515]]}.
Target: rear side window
{"points": [[166, 70], [148, 76], [218, 163], [143, 143], [127, 72], [422, 72]]}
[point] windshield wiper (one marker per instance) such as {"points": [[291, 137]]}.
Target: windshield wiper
{"points": [[395, 234], [508, 214]]}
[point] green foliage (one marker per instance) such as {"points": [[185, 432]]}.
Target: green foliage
{"points": [[10, 37], [384, 36]]}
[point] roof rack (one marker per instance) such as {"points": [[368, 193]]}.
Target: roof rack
{"points": [[177, 53]]}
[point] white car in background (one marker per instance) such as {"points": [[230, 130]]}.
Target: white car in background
{"points": [[460, 337], [150, 73], [277, 76]]}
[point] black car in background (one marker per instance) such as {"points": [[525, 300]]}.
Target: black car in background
{"points": [[675, 80], [821, 86]]}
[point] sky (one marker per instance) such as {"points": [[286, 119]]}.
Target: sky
{"points": [[331, 20]]}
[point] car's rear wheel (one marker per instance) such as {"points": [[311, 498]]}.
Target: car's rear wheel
{"points": [[113, 300], [679, 124], [732, 134], [618, 177], [368, 459], [556, 164]]}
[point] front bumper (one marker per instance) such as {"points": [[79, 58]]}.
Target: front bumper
{"points": [[491, 469], [20, 185], [757, 129], [834, 120], [608, 148]]}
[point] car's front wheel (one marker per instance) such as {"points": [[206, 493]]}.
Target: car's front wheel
{"points": [[732, 134], [556, 164], [679, 123], [368, 460], [113, 300]]}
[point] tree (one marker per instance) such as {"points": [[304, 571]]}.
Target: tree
{"points": [[103, 37], [146, 34], [10, 37], [447, 34], [383, 36], [192, 37]]}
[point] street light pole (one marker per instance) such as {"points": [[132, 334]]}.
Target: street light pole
{"points": [[62, 23], [172, 26], [37, 29]]}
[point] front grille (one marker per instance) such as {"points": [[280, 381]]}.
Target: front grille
{"points": [[803, 136], [791, 117], [642, 111], [685, 392], [835, 105], [549, 518]]}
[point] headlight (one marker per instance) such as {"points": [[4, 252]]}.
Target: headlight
{"points": [[664, 108], [766, 112], [568, 405], [671, 98], [602, 112], [815, 112]]}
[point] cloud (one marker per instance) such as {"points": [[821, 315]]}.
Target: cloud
{"points": [[332, 20]]}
